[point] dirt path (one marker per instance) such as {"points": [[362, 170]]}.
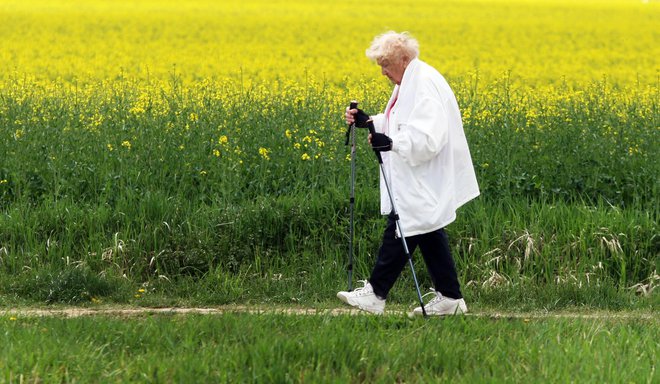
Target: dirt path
{"points": [[142, 311]]}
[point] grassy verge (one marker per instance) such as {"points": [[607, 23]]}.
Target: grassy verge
{"points": [[527, 255], [285, 348], [215, 193]]}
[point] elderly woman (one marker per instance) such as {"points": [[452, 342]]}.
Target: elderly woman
{"points": [[427, 160]]}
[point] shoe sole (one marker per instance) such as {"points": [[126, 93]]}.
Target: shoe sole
{"points": [[348, 301], [457, 311], [343, 298], [374, 311]]}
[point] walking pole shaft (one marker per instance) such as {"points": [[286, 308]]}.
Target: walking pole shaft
{"points": [[352, 214], [398, 226], [403, 241], [351, 134]]}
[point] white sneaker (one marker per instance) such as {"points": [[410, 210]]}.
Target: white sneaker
{"points": [[440, 305], [363, 298]]}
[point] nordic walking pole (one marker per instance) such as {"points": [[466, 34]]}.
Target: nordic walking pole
{"points": [[350, 134], [372, 131]]}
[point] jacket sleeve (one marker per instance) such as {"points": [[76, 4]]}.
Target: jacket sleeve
{"points": [[379, 121], [424, 134]]}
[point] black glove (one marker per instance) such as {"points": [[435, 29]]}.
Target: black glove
{"points": [[361, 119], [381, 142]]}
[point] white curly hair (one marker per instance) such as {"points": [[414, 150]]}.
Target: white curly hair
{"points": [[393, 46]]}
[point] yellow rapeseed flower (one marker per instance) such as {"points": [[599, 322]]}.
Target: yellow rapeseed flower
{"points": [[305, 156], [136, 110], [264, 153], [126, 144]]}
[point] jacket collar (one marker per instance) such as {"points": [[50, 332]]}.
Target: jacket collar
{"points": [[408, 78], [410, 70]]}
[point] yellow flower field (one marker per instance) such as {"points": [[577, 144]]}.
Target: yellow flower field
{"points": [[538, 42]]}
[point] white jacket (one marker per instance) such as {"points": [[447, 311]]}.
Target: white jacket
{"points": [[429, 169]]}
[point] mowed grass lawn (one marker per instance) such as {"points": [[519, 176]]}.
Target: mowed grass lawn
{"points": [[326, 348]]}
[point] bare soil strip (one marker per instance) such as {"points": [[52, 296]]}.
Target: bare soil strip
{"points": [[71, 312]]}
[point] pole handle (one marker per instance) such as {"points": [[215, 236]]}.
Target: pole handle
{"points": [[353, 105]]}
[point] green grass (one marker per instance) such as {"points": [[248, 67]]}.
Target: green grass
{"points": [[237, 347], [134, 185], [603, 252]]}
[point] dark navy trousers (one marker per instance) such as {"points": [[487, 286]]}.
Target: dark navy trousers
{"points": [[437, 256]]}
